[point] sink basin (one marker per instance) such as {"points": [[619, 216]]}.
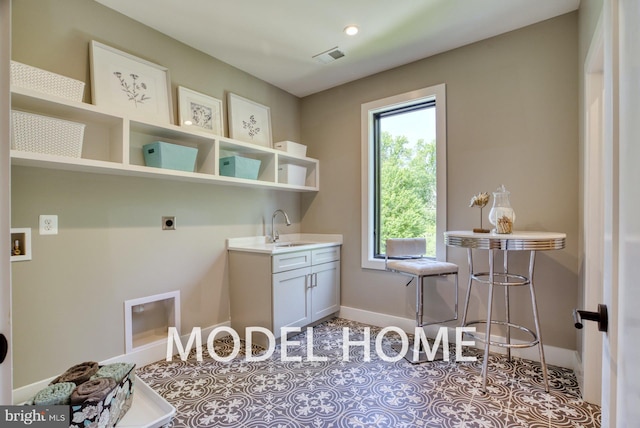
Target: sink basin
{"points": [[291, 244]]}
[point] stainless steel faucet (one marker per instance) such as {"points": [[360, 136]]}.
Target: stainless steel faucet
{"points": [[274, 233]]}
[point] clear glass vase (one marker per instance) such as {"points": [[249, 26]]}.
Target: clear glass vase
{"points": [[502, 215]]}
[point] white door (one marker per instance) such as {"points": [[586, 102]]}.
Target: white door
{"points": [[621, 173], [626, 366], [5, 200]]}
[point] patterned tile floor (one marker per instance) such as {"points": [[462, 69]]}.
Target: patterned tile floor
{"points": [[359, 393]]}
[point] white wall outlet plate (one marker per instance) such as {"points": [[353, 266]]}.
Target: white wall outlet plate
{"points": [[48, 225]]}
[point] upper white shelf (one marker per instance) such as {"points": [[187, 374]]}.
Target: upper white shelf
{"points": [[113, 145]]}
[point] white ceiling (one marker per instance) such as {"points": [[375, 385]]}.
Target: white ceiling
{"points": [[275, 40]]}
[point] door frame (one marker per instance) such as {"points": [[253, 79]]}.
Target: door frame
{"points": [[611, 204], [590, 370], [6, 376]]}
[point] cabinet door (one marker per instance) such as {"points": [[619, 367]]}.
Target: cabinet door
{"points": [[291, 299], [325, 290]]}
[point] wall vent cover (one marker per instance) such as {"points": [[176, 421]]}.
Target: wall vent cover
{"points": [[329, 56]]}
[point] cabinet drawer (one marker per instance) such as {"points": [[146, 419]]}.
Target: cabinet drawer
{"points": [[324, 255], [288, 261]]}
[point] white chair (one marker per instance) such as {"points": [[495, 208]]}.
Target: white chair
{"points": [[406, 256]]}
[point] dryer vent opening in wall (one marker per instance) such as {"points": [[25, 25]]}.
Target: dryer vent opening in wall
{"points": [[329, 56], [147, 319]]}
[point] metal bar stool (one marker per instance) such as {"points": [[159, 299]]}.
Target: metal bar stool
{"points": [[406, 256]]}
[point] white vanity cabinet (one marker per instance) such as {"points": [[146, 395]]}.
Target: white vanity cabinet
{"points": [[306, 287], [291, 289]]}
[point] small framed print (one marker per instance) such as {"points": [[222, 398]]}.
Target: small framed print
{"points": [[200, 111], [126, 83], [249, 121]]}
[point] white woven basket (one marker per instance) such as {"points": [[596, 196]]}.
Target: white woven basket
{"points": [[48, 135], [36, 79]]}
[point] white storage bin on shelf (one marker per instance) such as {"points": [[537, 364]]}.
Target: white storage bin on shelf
{"points": [[36, 79], [292, 174], [292, 148], [47, 135]]}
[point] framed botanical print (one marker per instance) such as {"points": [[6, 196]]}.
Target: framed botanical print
{"points": [[130, 85], [200, 111], [249, 121]]}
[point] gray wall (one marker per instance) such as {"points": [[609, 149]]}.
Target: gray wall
{"points": [[512, 118], [68, 301]]}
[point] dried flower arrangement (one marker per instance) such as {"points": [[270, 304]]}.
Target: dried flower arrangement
{"points": [[480, 200]]}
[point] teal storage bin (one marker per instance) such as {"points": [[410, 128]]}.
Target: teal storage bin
{"points": [[170, 156], [237, 166]]}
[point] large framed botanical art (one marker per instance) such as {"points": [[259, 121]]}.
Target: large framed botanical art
{"points": [[130, 85], [200, 111], [249, 121]]}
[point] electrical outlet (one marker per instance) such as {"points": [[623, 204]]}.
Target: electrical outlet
{"points": [[48, 225], [169, 223]]}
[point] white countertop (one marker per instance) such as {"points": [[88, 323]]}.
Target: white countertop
{"points": [[262, 244]]}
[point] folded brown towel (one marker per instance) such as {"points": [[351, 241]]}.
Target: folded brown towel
{"points": [[93, 390], [79, 373]]}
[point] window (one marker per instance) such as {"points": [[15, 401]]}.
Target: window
{"points": [[404, 172]]}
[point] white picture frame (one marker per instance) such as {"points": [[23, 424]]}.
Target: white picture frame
{"points": [[200, 111], [249, 121], [127, 84]]}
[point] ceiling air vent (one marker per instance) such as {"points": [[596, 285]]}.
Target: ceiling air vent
{"points": [[329, 56]]}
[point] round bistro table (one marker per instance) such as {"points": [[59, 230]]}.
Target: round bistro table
{"points": [[516, 241]]}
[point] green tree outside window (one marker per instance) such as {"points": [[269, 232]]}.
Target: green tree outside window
{"points": [[407, 190]]}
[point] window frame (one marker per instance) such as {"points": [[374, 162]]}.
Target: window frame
{"points": [[368, 110]]}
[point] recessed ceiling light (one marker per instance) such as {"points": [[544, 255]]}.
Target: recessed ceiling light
{"points": [[351, 30]]}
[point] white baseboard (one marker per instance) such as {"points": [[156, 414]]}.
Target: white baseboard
{"points": [[139, 356], [555, 356]]}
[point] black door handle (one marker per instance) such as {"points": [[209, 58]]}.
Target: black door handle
{"points": [[602, 317], [4, 347]]}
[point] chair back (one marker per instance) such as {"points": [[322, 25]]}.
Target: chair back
{"points": [[406, 247]]}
